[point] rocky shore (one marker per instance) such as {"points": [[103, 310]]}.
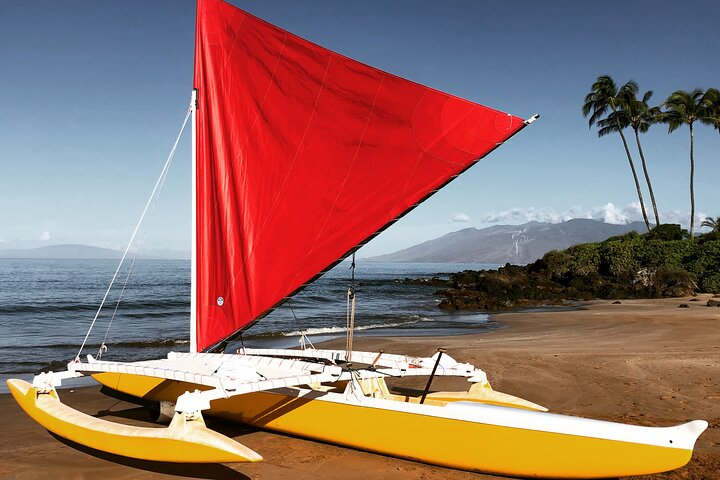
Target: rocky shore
{"points": [[655, 265]]}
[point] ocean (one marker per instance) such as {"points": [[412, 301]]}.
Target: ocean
{"points": [[46, 307]]}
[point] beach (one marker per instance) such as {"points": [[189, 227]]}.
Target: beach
{"points": [[646, 362]]}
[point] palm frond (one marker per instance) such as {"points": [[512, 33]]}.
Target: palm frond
{"points": [[600, 99], [607, 130], [712, 223], [629, 90], [683, 107], [710, 113]]}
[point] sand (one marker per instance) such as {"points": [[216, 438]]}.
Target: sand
{"points": [[643, 361]]}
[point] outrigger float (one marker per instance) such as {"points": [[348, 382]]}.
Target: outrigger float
{"points": [[300, 157]]}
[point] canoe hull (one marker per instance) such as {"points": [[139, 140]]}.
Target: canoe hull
{"points": [[449, 442], [183, 441]]}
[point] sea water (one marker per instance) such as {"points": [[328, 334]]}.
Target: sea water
{"points": [[47, 307]]}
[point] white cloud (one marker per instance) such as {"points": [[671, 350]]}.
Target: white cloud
{"points": [[683, 218], [460, 218], [531, 214], [45, 236], [608, 213]]}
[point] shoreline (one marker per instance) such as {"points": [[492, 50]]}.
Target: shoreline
{"points": [[646, 362]]}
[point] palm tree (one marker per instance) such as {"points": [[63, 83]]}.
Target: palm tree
{"points": [[638, 115], [712, 223], [604, 96], [685, 108]]}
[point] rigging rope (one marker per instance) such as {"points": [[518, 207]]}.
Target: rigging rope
{"points": [[350, 314], [103, 347], [304, 339], [163, 176], [153, 195]]}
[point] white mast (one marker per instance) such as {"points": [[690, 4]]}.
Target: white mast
{"points": [[193, 231]]}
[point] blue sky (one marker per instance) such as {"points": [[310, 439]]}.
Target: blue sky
{"points": [[94, 93]]}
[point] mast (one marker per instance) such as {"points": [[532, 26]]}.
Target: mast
{"points": [[193, 230]]}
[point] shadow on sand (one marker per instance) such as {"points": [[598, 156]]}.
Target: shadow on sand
{"points": [[213, 471]]}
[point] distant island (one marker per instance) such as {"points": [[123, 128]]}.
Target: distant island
{"points": [[515, 244], [82, 252]]}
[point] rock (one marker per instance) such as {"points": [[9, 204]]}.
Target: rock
{"points": [[617, 302], [713, 303], [434, 281], [683, 305]]}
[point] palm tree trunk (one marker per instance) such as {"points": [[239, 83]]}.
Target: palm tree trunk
{"points": [[635, 177], [692, 187], [647, 178]]}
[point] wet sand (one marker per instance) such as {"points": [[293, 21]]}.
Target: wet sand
{"points": [[644, 361]]}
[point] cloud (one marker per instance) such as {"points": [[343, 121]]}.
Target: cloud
{"points": [[460, 218], [531, 214], [608, 213], [45, 236], [683, 218]]}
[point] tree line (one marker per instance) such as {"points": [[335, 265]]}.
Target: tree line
{"points": [[613, 110]]}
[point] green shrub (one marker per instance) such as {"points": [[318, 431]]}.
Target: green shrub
{"points": [[557, 263], [667, 231], [664, 253], [711, 283], [618, 258], [585, 258], [709, 237], [704, 259]]}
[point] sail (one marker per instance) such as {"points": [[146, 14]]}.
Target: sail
{"points": [[304, 154]]}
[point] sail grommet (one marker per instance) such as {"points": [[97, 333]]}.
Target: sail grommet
{"points": [[220, 301]]}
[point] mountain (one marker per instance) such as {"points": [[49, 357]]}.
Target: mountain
{"points": [[517, 244]]}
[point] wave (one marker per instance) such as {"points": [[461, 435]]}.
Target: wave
{"points": [[330, 330], [52, 366], [160, 314], [20, 367], [132, 350], [152, 343], [83, 307], [168, 342]]}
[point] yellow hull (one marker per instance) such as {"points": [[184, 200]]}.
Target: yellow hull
{"points": [[183, 441], [442, 441]]}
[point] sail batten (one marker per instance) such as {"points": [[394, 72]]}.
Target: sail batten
{"points": [[304, 155]]}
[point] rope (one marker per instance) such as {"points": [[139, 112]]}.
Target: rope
{"points": [[349, 323], [156, 190], [303, 337], [350, 314], [103, 347]]}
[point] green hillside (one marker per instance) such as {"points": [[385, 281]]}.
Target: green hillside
{"points": [[661, 263]]}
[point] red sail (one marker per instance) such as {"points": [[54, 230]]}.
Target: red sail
{"points": [[304, 154]]}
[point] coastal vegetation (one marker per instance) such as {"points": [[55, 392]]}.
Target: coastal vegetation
{"points": [[613, 109], [660, 263]]}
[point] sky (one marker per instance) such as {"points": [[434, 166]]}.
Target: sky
{"points": [[94, 93]]}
